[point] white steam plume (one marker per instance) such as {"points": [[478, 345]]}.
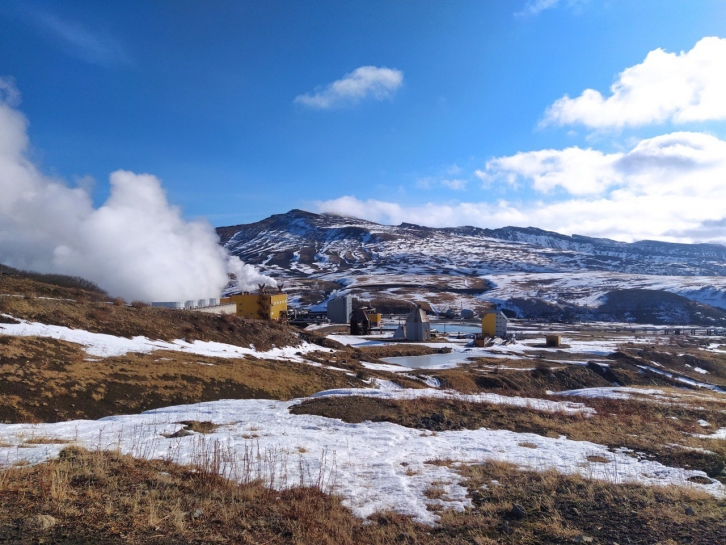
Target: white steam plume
{"points": [[135, 245]]}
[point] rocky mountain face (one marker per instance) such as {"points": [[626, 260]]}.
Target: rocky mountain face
{"points": [[502, 264]]}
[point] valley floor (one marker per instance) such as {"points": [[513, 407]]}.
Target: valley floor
{"points": [[114, 437]]}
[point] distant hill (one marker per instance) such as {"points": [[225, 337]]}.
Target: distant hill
{"points": [[437, 266], [303, 243]]}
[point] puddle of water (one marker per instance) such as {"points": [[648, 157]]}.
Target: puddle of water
{"points": [[430, 361], [454, 327]]}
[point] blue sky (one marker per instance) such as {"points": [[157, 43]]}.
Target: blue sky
{"points": [[232, 105]]}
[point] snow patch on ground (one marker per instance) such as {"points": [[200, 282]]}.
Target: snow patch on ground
{"points": [[399, 393], [364, 463], [617, 392], [106, 346], [719, 434]]}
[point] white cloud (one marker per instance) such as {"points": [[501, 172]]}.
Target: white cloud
{"points": [[94, 47], [363, 82], [135, 245], [671, 187], [577, 171], [681, 88], [457, 184], [533, 7]]}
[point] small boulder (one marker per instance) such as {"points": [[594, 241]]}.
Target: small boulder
{"points": [[690, 512], [517, 512], [40, 522], [180, 433]]}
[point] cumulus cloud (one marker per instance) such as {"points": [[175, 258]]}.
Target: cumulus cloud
{"points": [[361, 83], [135, 245], [577, 171], [671, 187], [681, 88]]}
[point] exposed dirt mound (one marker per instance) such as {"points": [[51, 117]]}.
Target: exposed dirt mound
{"points": [[54, 286], [46, 380], [154, 323]]}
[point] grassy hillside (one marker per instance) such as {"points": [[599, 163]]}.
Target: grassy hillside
{"points": [[50, 380], [93, 496]]}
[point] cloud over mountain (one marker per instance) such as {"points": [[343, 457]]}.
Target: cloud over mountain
{"points": [[669, 188], [681, 88]]}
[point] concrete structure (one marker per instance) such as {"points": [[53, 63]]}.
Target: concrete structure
{"points": [[467, 313], [168, 304], [359, 323], [261, 306], [553, 340], [418, 327], [206, 305], [494, 324], [340, 309]]}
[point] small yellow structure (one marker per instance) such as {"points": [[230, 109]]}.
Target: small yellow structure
{"points": [[375, 319], [494, 324], [262, 306]]}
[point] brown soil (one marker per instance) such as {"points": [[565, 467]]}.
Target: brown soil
{"points": [[155, 323], [622, 369], [105, 498], [46, 380], [651, 431], [56, 286], [373, 353]]}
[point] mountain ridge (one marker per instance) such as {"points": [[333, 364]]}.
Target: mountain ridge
{"points": [[476, 267]]}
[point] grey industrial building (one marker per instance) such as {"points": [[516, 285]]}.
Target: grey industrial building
{"points": [[340, 309], [418, 326]]}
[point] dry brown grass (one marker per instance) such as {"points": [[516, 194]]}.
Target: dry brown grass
{"points": [[55, 286], [98, 497], [47, 380], [561, 509], [646, 428], [154, 323]]}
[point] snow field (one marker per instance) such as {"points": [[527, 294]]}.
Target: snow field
{"points": [[372, 466], [386, 391]]}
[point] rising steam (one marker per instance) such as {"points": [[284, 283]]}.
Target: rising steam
{"points": [[135, 245]]}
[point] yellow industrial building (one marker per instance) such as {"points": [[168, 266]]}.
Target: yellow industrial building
{"points": [[494, 324], [261, 306]]}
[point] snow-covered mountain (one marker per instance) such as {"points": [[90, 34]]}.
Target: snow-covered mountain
{"points": [[496, 265]]}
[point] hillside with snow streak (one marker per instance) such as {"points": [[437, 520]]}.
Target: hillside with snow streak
{"points": [[475, 266]]}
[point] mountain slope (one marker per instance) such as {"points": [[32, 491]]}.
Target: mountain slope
{"points": [[303, 243], [510, 262]]}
